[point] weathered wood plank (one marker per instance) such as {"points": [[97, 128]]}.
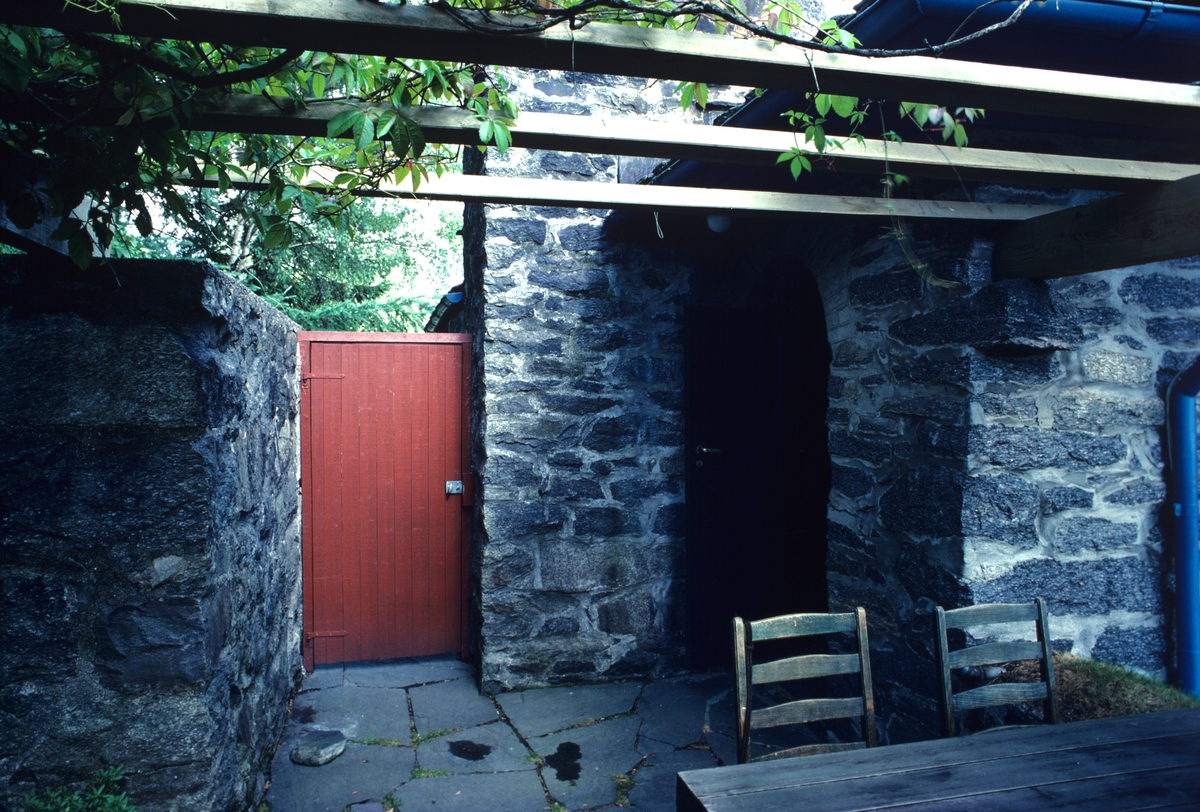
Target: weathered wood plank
{"points": [[811, 750], [805, 710], [410, 31], [799, 625], [743, 689], [809, 666], [988, 613], [584, 194], [1000, 693], [996, 653], [653, 139], [1129, 229], [1064, 763], [864, 665]]}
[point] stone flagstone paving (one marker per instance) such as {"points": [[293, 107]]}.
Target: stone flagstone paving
{"points": [[421, 734]]}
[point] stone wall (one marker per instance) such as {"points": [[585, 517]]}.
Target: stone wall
{"points": [[149, 531], [996, 443], [578, 414]]}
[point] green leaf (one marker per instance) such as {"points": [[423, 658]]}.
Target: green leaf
{"points": [[364, 131], [686, 90], [503, 138], [126, 117], [80, 248], [844, 105], [386, 119], [318, 85], [485, 132], [823, 102], [340, 123], [702, 95]]}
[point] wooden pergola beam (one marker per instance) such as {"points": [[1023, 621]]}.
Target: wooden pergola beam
{"points": [[410, 31], [599, 195], [1129, 229], [652, 139]]}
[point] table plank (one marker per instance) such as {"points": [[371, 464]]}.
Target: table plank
{"points": [[999, 767]]}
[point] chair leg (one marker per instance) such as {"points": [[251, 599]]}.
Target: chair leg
{"points": [[741, 669]]}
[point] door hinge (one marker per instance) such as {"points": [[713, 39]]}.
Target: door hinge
{"points": [[324, 376], [311, 635]]}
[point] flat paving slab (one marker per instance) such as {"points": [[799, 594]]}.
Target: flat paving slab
{"points": [[360, 713], [654, 789], [451, 705], [496, 792], [406, 672], [678, 711], [361, 773], [484, 749], [544, 710], [581, 762]]}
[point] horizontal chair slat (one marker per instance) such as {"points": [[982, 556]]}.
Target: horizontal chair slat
{"points": [[812, 750], [799, 625], [806, 710], [1001, 693], [990, 613], [808, 666], [995, 653]]}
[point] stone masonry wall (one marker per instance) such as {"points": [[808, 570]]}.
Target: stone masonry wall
{"points": [[578, 560], [149, 532], [998, 443]]}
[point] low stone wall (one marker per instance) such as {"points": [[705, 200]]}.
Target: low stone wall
{"points": [[149, 531]]}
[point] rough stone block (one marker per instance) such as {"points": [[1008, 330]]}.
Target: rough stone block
{"points": [[1056, 500], [603, 521], [567, 162], [573, 567], [317, 747], [1115, 367], [582, 237], [627, 614], [613, 433], [1083, 410], [576, 282], [1174, 330], [844, 444], [518, 229], [1144, 491], [1128, 583], [1142, 647], [927, 501], [936, 440], [1010, 313], [158, 643], [853, 482], [944, 409], [1159, 292], [1076, 534], [630, 490], [1001, 507], [924, 369], [516, 519], [572, 488], [923, 577], [1030, 370], [1024, 449], [36, 638], [881, 290], [670, 519], [1008, 406]]}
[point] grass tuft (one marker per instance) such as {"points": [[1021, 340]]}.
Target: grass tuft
{"points": [[378, 742], [624, 784], [421, 772], [420, 738], [1091, 689]]}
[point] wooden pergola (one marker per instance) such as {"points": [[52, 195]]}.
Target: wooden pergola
{"points": [[1157, 216]]}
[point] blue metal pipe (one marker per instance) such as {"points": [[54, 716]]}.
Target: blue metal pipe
{"points": [[1181, 444]]}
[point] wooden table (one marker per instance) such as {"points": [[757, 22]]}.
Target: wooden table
{"points": [[1124, 763]]}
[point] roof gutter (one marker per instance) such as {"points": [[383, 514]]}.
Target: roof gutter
{"points": [[1181, 443]]}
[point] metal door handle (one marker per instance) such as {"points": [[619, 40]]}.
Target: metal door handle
{"points": [[702, 450]]}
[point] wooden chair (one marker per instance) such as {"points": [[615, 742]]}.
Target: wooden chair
{"points": [[810, 666], [987, 654]]}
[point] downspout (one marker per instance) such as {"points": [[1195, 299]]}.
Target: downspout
{"points": [[1181, 444]]}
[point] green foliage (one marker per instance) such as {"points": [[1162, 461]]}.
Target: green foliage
{"points": [[63, 163], [624, 784], [420, 738], [421, 772], [103, 794], [390, 803]]}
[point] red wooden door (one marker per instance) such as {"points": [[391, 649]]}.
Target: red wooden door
{"points": [[384, 428]]}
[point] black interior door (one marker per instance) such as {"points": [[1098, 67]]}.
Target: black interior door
{"points": [[757, 470]]}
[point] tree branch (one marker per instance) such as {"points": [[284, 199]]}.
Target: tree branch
{"points": [[201, 82]]}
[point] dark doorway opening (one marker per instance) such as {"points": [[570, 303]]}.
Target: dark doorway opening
{"points": [[758, 471]]}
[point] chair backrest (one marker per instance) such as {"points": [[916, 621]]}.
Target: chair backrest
{"points": [[987, 654], [810, 666]]}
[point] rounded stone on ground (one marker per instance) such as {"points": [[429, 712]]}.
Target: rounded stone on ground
{"points": [[318, 747]]}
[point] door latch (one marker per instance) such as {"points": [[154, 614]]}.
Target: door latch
{"points": [[454, 486]]}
